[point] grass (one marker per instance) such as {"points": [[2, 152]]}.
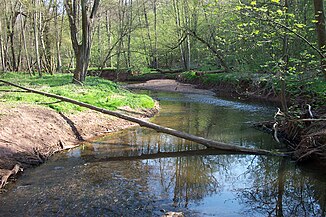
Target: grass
{"points": [[96, 91]]}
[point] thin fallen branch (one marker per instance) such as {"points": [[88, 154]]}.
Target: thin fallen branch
{"points": [[308, 120], [158, 128], [165, 71], [199, 73]]}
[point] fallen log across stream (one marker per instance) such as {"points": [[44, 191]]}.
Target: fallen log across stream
{"points": [[206, 142]]}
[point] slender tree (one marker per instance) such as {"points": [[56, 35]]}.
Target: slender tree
{"points": [[321, 31]]}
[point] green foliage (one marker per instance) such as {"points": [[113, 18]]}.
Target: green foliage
{"points": [[311, 89], [96, 91]]}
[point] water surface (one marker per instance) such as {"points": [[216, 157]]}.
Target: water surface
{"points": [[139, 172]]}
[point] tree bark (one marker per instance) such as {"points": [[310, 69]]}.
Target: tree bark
{"points": [[81, 50], [121, 33], [23, 25], [3, 61], [36, 40], [58, 36], [155, 58], [151, 50], [158, 128], [130, 18], [109, 34], [321, 31]]}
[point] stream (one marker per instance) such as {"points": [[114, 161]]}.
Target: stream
{"points": [[139, 172]]}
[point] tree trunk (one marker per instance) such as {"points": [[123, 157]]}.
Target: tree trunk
{"points": [[187, 24], [178, 23], [12, 48], [36, 40], [23, 25], [286, 38], [151, 61], [108, 32], [3, 61], [11, 36], [155, 58], [58, 34], [130, 14], [120, 29], [82, 51], [321, 31]]}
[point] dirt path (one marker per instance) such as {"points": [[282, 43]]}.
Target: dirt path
{"points": [[170, 86], [29, 134]]}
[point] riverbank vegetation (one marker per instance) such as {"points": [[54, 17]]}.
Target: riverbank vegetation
{"points": [[95, 91]]}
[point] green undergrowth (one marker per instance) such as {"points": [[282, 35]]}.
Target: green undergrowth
{"points": [[310, 89], [95, 91]]}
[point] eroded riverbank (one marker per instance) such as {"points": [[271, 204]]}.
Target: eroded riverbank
{"points": [[29, 134]]}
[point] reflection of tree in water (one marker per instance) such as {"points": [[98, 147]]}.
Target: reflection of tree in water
{"points": [[193, 180], [280, 190]]}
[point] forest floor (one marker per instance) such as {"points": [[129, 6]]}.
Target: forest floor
{"points": [[29, 134]]}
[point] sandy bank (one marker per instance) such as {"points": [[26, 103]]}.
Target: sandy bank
{"points": [[29, 134], [170, 86]]}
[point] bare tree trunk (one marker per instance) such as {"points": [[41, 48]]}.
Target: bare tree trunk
{"points": [[36, 39], [130, 14], [108, 32], [155, 58], [82, 51], [187, 24], [45, 48], [23, 26], [286, 38], [58, 37], [321, 31], [11, 35], [178, 24], [150, 61], [121, 33], [142, 32], [286, 61], [3, 59]]}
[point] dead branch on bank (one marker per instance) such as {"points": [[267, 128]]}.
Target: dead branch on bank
{"points": [[169, 71], [206, 142]]}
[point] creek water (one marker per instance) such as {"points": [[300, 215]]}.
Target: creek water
{"points": [[139, 172]]}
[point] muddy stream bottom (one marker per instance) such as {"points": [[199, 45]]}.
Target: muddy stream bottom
{"points": [[139, 172]]}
